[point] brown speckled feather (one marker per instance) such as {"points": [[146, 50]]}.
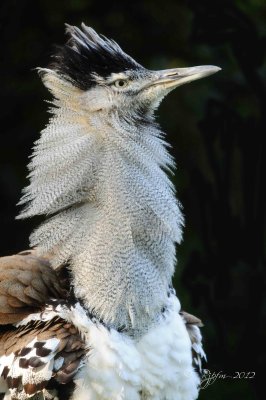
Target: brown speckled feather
{"points": [[26, 283], [193, 324], [191, 319], [33, 347], [39, 355]]}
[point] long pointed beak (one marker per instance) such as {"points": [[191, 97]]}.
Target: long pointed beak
{"points": [[171, 78]]}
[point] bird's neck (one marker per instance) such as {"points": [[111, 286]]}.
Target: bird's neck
{"points": [[116, 218]]}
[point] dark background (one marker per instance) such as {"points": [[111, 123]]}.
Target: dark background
{"points": [[216, 127]]}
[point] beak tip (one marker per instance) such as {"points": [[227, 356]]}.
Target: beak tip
{"points": [[212, 69], [209, 70], [217, 69]]}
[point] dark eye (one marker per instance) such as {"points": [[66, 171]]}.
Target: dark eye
{"points": [[121, 83]]}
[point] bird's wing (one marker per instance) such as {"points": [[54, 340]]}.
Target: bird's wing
{"points": [[35, 352], [193, 325], [26, 283], [38, 355]]}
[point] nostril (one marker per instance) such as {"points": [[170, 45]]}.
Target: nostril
{"points": [[173, 74]]}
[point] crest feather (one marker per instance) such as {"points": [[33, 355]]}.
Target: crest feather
{"points": [[87, 54]]}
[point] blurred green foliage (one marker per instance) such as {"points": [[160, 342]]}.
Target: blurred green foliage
{"points": [[216, 127]]}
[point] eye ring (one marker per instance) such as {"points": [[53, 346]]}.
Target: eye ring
{"points": [[121, 83]]}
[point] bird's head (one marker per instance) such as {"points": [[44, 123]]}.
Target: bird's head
{"points": [[94, 74]]}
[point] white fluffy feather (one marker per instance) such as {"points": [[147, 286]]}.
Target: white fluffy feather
{"points": [[156, 367]]}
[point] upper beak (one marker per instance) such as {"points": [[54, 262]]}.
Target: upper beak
{"points": [[171, 78]]}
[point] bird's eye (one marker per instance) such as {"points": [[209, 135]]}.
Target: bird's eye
{"points": [[121, 83]]}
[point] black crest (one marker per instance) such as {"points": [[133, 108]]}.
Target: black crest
{"points": [[86, 53]]}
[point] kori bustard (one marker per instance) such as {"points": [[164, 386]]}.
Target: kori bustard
{"points": [[90, 312]]}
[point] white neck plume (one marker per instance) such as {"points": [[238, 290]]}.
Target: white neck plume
{"points": [[115, 217]]}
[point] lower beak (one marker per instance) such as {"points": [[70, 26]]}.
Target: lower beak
{"points": [[171, 78]]}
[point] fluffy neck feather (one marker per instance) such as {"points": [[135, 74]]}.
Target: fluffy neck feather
{"points": [[115, 216]]}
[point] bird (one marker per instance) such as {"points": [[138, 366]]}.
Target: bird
{"points": [[89, 312]]}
